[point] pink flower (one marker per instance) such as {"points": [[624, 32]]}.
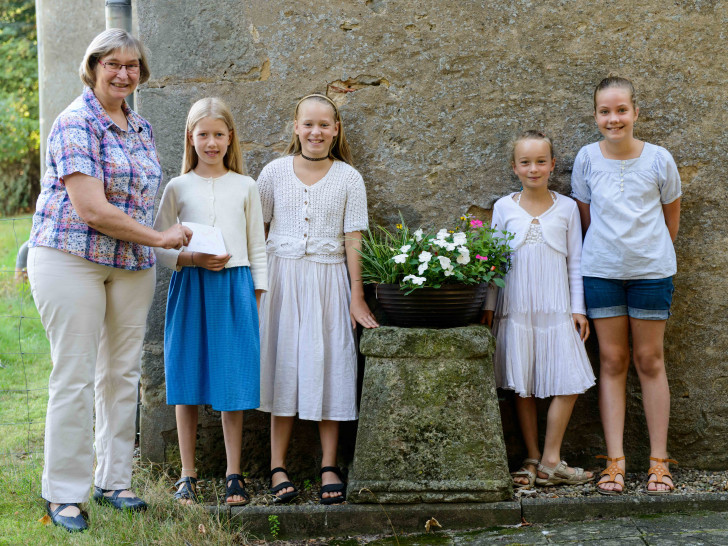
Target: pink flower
{"points": [[479, 257], [476, 223]]}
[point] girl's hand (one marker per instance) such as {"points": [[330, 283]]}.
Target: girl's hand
{"points": [[176, 237], [211, 261], [487, 318], [582, 325], [359, 312]]}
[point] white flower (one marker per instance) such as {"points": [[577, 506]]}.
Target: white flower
{"points": [[442, 234], [460, 238], [405, 248], [400, 258], [425, 256], [437, 242], [464, 250], [464, 259], [418, 235], [450, 246], [444, 261], [422, 268], [449, 271], [414, 279]]}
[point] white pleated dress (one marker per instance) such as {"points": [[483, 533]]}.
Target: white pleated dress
{"points": [[538, 350], [307, 344]]}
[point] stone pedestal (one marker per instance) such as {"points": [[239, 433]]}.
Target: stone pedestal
{"points": [[429, 429]]}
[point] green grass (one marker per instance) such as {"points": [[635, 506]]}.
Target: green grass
{"points": [[23, 399]]}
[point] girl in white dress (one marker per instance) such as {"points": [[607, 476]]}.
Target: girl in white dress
{"points": [[539, 321], [314, 208]]}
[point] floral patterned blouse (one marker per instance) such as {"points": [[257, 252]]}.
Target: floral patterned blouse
{"points": [[84, 139]]}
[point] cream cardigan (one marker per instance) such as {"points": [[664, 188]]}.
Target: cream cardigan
{"points": [[231, 203]]}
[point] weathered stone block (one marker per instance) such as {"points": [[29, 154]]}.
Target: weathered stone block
{"points": [[429, 429]]}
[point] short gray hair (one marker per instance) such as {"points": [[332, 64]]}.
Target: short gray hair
{"points": [[110, 40]]}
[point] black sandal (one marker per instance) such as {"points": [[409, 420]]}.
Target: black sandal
{"points": [[285, 497], [188, 491], [234, 485], [333, 487]]}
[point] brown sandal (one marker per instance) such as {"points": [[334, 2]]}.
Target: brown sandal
{"points": [[660, 472], [612, 471]]}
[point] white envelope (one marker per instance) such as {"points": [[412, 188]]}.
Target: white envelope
{"points": [[205, 239]]}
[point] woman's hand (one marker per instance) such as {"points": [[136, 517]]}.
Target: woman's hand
{"points": [[582, 325], [359, 312], [212, 262], [175, 237]]}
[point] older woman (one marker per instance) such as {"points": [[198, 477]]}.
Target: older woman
{"points": [[92, 276]]}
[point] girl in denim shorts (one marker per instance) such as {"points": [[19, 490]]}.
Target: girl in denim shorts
{"points": [[628, 194]]}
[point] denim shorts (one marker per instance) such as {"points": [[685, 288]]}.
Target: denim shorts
{"points": [[646, 299]]}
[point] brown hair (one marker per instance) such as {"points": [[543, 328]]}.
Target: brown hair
{"points": [[531, 134], [339, 148], [105, 43], [214, 108], [616, 81]]}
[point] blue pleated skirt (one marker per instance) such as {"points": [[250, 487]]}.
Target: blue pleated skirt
{"points": [[211, 340]]}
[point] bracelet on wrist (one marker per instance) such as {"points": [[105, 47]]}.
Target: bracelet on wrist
{"points": [[193, 260]]}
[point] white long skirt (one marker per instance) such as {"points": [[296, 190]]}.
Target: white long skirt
{"points": [[538, 350], [307, 347]]}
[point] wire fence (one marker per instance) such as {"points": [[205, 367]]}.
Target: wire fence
{"points": [[25, 362]]}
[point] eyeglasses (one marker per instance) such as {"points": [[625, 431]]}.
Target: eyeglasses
{"points": [[115, 67]]}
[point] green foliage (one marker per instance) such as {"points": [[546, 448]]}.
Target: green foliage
{"points": [[471, 253], [274, 525], [19, 125]]}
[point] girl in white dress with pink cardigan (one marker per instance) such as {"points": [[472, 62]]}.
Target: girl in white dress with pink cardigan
{"points": [[539, 319], [314, 207]]}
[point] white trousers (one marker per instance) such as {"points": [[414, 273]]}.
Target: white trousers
{"points": [[95, 319]]}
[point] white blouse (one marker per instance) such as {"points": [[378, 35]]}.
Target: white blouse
{"points": [[309, 222], [231, 203], [628, 237], [560, 229]]}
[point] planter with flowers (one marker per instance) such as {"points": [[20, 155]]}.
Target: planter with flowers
{"points": [[427, 279]]}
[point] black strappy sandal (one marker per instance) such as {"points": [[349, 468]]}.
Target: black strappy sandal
{"points": [[285, 497], [333, 487], [234, 485], [188, 491]]}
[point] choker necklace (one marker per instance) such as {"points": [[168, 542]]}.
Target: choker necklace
{"points": [[313, 158]]}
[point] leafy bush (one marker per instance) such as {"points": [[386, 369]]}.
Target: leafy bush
{"points": [[19, 126]]}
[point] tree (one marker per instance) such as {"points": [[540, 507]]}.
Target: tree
{"points": [[19, 126]]}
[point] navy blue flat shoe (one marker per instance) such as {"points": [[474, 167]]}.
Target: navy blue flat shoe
{"points": [[72, 524], [135, 504]]}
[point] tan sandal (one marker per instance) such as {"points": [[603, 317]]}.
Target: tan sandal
{"points": [[524, 472], [660, 471], [559, 475], [612, 471]]}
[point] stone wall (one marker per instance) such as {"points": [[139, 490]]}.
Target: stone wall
{"points": [[59, 56], [431, 92]]}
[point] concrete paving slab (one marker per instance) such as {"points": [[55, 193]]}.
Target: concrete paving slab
{"points": [[675, 523], [540, 510], [683, 539], [592, 530], [305, 521]]}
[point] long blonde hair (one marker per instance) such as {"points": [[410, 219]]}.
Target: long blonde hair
{"points": [[339, 148], [212, 107]]}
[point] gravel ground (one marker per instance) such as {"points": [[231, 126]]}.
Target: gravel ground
{"points": [[687, 481]]}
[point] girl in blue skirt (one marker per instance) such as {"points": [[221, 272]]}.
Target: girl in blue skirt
{"points": [[211, 342]]}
